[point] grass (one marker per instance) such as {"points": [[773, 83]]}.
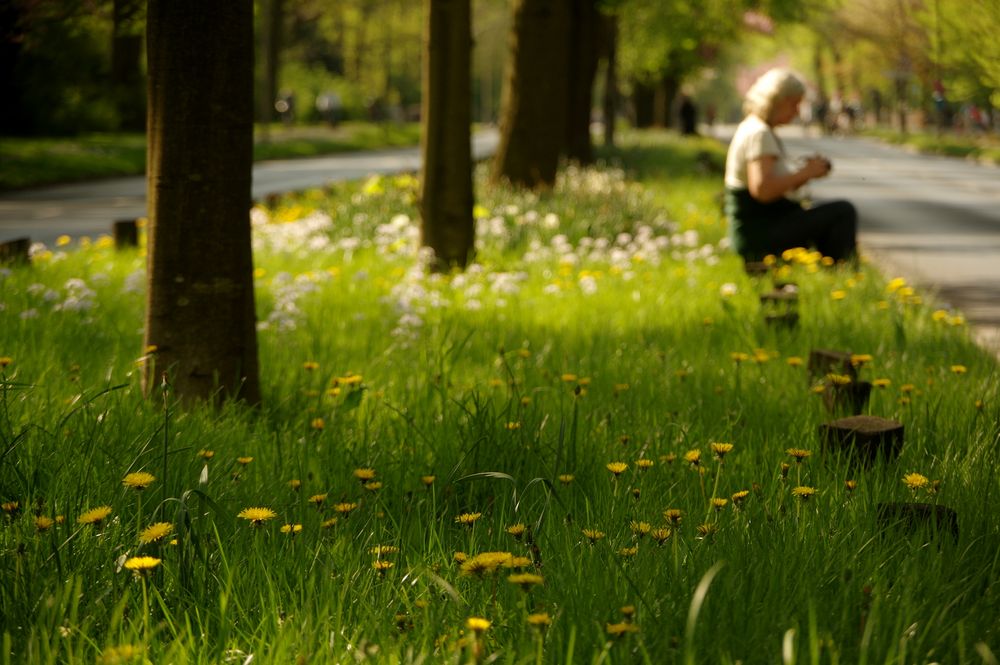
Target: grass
{"points": [[984, 147], [29, 162], [601, 324]]}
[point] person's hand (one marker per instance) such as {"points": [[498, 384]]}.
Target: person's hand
{"points": [[816, 167]]}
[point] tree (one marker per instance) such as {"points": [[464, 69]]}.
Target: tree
{"points": [[446, 184], [200, 304], [584, 54], [533, 115]]}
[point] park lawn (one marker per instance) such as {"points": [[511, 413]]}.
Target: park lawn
{"points": [[982, 147], [516, 463], [28, 162]]}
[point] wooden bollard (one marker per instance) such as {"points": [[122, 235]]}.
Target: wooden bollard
{"points": [[824, 361], [15, 251], [782, 319], [126, 232], [913, 516], [756, 268], [865, 439]]}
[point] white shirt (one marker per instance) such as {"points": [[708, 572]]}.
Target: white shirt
{"points": [[754, 139]]}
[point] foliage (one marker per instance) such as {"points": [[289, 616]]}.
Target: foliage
{"points": [[419, 416]]}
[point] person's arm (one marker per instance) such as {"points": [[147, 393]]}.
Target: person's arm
{"points": [[767, 186]]}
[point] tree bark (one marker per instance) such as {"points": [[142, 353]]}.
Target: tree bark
{"points": [[663, 101], [610, 101], [533, 117], [583, 57], [200, 303], [446, 184], [271, 31]]}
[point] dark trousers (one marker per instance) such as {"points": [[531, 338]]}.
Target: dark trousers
{"points": [[829, 227]]}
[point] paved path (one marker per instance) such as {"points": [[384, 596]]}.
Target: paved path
{"points": [[933, 220], [45, 213]]}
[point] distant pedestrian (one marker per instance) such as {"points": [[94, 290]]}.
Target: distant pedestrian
{"points": [[763, 204]]}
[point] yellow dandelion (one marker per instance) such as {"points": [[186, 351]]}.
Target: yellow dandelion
{"points": [[540, 620], [513, 425], [644, 464], [693, 457], [850, 485], [345, 508], [568, 378], [838, 294], [94, 516], [907, 388], [477, 624], [485, 562], [291, 529], [381, 566], [593, 535], [243, 461], [428, 480], [881, 383], [673, 515], [617, 468], [660, 535], [206, 454], [142, 564], [5, 361], [739, 497], [566, 478], [794, 361], [43, 523], [382, 550], [839, 379], [516, 530], [257, 516], [784, 469], [317, 499], [640, 528], [317, 423], [628, 611], [139, 480], [364, 475], [121, 654], [915, 481], [719, 503], [739, 357], [330, 523], [373, 486], [11, 507], [860, 359], [669, 458], [798, 454], [804, 492], [310, 365], [155, 532], [720, 450], [628, 552], [295, 484], [468, 519], [958, 369], [621, 628], [526, 580], [707, 530]]}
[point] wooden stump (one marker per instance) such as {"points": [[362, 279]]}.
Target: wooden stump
{"points": [[780, 298], [865, 439], [825, 361], [15, 251], [851, 398], [126, 232], [782, 319], [756, 268], [913, 516]]}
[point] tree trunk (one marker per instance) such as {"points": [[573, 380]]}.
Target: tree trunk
{"points": [[583, 57], [533, 118], [642, 103], [200, 304], [446, 184], [610, 102], [663, 101]]}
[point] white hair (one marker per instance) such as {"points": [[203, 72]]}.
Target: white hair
{"points": [[776, 84]]}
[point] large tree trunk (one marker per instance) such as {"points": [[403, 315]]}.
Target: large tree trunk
{"points": [[200, 305], [642, 104], [533, 117], [446, 183], [663, 101], [271, 29], [609, 29], [584, 54]]}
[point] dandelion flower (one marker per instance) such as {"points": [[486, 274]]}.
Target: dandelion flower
{"points": [[516, 530], [617, 468], [794, 361], [622, 628], [428, 480], [739, 497], [142, 564], [660, 535], [644, 464], [693, 457], [860, 359], [206, 454], [804, 492], [839, 379], [294, 484], [310, 365], [5, 361], [381, 566], [291, 529], [382, 550], [640, 528], [526, 580], [345, 508], [739, 357], [719, 503], [364, 475], [958, 369], [798, 454], [243, 461], [628, 552], [155, 532], [720, 450], [566, 478], [486, 562], [317, 499], [915, 481], [673, 515], [257, 516], [11, 507], [43, 523], [706, 530], [593, 535], [881, 383], [468, 519], [373, 486], [123, 653], [850, 485], [94, 516], [330, 523], [477, 624], [517, 562], [317, 423], [540, 620], [139, 480]]}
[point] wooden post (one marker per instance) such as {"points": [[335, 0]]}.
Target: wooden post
{"points": [[824, 361], [15, 251], [126, 232], [865, 439]]}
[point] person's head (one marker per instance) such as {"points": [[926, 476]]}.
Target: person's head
{"points": [[776, 93]]}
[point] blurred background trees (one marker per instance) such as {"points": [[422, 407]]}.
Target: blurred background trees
{"points": [[70, 66]]}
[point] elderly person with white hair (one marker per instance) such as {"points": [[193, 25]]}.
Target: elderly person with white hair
{"points": [[762, 203]]}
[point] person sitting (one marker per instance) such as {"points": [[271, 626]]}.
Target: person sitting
{"points": [[762, 201]]}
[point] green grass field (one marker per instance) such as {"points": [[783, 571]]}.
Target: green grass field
{"points": [[519, 463]]}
